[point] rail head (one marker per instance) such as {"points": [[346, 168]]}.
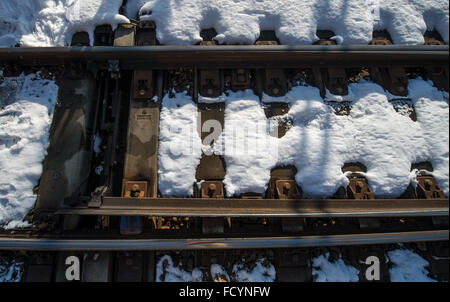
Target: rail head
{"points": [[220, 243], [231, 56], [234, 207]]}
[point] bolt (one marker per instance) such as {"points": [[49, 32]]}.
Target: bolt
{"points": [[142, 92], [212, 187], [275, 91], [56, 176]]}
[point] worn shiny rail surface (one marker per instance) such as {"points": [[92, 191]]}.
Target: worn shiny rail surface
{"points": [[197, 207], [220, 243], [236, 56]]}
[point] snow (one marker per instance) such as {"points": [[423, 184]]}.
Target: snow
{"points": [[408, 266], [240, 22], [263, 271], [218, 273], [320, 142], [248, 150], [26, 108], [432, 112], [166, 271], [53, 22], [325, 270], [97, 144], [179, 146], [11, 271]]}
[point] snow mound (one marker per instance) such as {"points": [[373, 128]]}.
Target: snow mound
{"points": [[39, 23], [408, 266], [180, 146], [295, 22], [53, 22], [166, 271], [26, 109], [337, 271], [263, 271]]}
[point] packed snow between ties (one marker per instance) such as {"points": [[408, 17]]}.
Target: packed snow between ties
{"points": [[318, 144], [53, 22]]}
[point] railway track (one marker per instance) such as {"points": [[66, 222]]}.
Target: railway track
{"points": [[117, 89]]}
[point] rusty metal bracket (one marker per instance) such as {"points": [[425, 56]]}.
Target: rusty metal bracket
{"points": [[212, 225], [427, 188], [433, 38], [439, 76], [143, 84], [114, 69], [240, 79], [132, 225], [275, 83], [146, 33], [325, 38], [359, 188], [208, 43], [80, 39], [134, 189], [381, 37], [212, 189], [336, 81], [393, 79], [103, 35], [210, 83], [287, 189]]}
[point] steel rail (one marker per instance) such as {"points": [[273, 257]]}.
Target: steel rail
{"points": [[197, 207], [228, 56], [220, 243]]}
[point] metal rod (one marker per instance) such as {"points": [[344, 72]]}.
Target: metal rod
{"points": [[249, 56], [197, 207], [220, 243]]}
